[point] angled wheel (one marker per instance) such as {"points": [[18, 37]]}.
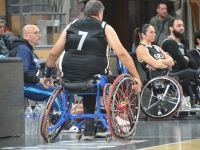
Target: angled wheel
{"points": [[161, 97], [123, 107], [49, 127]]}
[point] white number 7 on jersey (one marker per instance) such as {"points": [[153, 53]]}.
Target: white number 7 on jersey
{"points": [[84, 34]]}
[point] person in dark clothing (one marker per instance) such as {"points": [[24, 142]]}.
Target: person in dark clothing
{"points": [[3, 44], [195, 53], [24, 48], [153, 59], [172, 45], [86, 43], [183, 60]]}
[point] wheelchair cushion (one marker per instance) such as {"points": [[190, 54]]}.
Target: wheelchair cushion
{"points": [[78, 85], [86, 85]]}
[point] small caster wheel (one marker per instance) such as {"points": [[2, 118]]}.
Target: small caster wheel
{"points": [[79, 136], [108, 139], [49, 140]]}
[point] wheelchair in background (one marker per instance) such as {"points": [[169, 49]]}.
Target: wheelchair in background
{"points": [[162, 97], [122, 105]]}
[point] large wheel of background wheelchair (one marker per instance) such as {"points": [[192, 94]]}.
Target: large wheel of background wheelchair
{"points": [[161, 97], [51, 116], [123, 108]]}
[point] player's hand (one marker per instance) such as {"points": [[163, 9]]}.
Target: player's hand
{"points": [[47, 82], [137, 87]]}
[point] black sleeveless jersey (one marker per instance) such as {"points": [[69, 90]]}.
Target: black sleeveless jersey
{"points": [[86, 50], [154, 52]]}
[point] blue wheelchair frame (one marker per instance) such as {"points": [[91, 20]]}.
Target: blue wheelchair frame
{"points": [[66, 114]]}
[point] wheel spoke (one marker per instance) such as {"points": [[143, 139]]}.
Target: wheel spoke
{"points": [[171, 101], [154, 104]]}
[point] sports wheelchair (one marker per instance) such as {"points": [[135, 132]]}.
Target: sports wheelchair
{"points": [[162, 96], [120, 100]]}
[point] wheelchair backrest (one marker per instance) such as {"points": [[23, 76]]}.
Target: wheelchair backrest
{"points": [[113, 65], [116, 65]]}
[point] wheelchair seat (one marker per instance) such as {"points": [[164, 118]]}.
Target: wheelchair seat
{"points": [[85, 86]]}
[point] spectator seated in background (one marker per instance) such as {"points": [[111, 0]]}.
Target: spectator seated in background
{"points": [[24, 48], [172, 45], [195, 53], [9, 37], [177, 50], [153, 58], [4, 46], [154, 61]]}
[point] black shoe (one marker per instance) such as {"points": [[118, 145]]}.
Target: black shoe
{"points": [[101, 131], [88, 135]]}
